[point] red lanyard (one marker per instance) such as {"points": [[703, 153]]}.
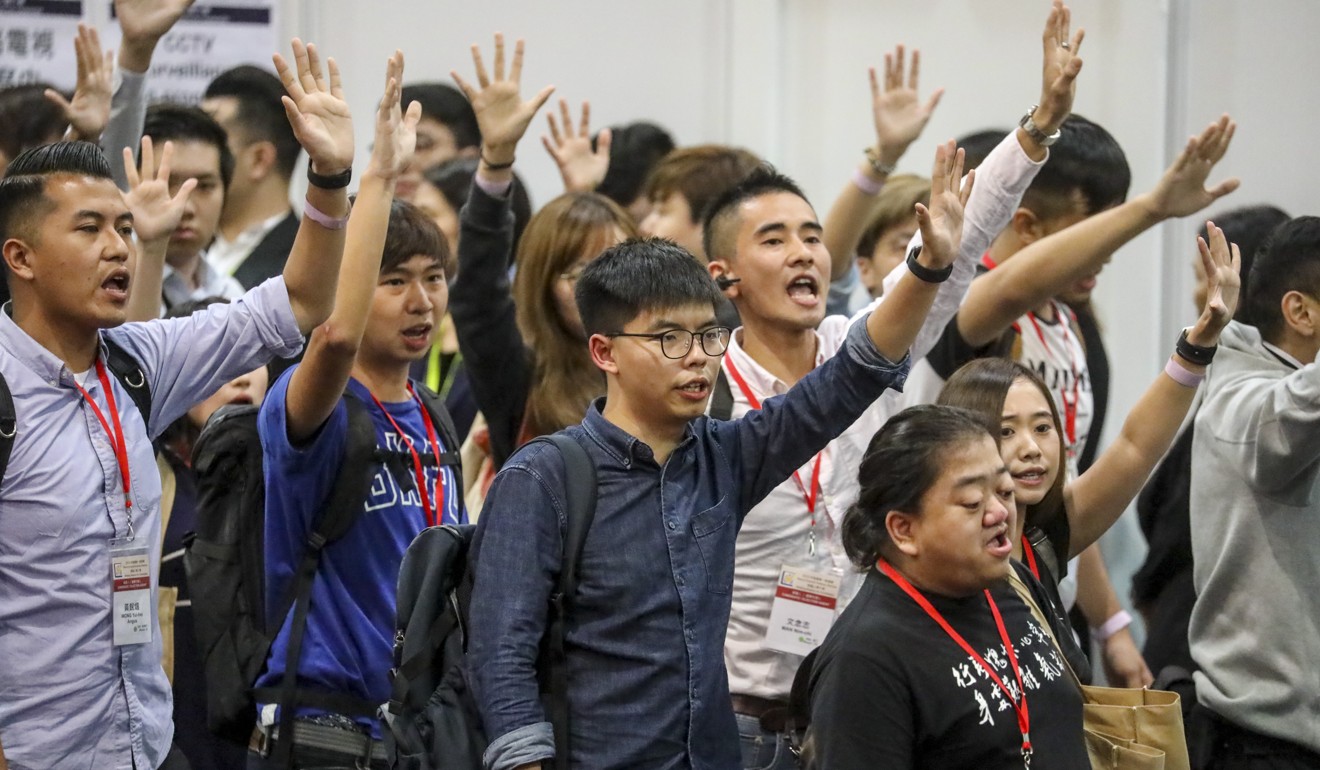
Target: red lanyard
{"points": [[809, 496], [116, 436], [1069, 407], [1031, 557], [433, 515], [1020, 705]]}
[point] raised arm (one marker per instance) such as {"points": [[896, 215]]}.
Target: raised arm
{"points": [[319, 115], [1048, 266], [481, 301], [1097, 498], [894, 324], [155, 215], [899, 116], [581, 167], [1124, 666], [318, 383]]}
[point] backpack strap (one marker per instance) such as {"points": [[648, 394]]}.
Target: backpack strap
{"points": [[721, 399], [342, 509], [8, 426], [451, 455], [125, 368], [131, 375], [580, 489]]}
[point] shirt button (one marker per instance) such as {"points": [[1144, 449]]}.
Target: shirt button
{"points": [[670, 524], [679, 581]]}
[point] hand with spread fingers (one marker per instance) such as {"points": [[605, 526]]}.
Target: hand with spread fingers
{"points": [[1182, 191], [317, 110], [1059, 70], [502, 114], [941, 222], [900, 114], [144, 23], [156, 213], [581, 167], [89, 110], [396, 131]]}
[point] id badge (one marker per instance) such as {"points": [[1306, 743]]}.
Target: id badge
{"points": [[130, 593], [803, 611]]}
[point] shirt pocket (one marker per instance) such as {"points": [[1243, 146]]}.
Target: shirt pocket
{"points": [[713, 531]]}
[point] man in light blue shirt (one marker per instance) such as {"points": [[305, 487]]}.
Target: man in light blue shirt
{"points": [[80, 687]]}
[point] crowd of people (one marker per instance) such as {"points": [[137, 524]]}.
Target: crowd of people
{"points": [[848, 469]]}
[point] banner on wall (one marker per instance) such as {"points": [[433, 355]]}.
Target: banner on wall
{"points": [[36, 42], [209, 39]]}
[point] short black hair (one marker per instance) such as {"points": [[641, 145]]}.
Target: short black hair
{"points": [[1250, 228], [22, 191], [28, 118], [720, 219], [184, 123], [634, 150], [978, 144], [901, 464], [1290, 261], [411, 233], [449, 106], [260, 110], [1086, 161], [638, 275]]}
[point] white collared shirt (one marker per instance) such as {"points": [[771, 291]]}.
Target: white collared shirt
{"points": [[227, 256]]}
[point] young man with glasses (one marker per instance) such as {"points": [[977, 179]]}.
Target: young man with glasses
{"points": [[645, 636]]}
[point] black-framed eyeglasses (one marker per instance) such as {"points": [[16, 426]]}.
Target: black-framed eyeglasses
{"points": [[676, 343]]}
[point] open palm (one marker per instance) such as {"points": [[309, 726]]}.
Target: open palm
{"points": [[317, 110]]}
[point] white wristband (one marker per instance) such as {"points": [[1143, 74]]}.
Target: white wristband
{"points": [[1117, 622]]}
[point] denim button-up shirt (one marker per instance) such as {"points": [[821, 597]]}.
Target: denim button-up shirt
{"points": [[69, 698], [645, 642]]}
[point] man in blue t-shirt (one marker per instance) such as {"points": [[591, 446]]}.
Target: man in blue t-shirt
{"points": [[386, 313]]}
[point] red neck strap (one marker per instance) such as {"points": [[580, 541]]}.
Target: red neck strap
{"points": [[434, 515], [116, 436], [1019, 704]]}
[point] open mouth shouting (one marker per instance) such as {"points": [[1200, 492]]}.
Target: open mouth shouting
{"points": [[418, 337], [1000, 546], [695, 389], [805, 291], [116, 285]]}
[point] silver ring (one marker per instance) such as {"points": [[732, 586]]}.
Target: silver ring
{"points": [[1065, 45]]}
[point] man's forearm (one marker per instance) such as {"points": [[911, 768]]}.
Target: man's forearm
{"points": [[312, 271], [144, 293], [128, 111]]}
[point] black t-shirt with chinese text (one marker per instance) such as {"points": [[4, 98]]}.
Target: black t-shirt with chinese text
{"points": [[891, 689]]}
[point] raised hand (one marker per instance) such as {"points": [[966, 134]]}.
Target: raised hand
{"points": [[89, 111], [155, 212], [396, 132], [1059, 69], [144, 23], [1182, 191], [899, 113], [941, 222], [502, 115], [317, 110], [1222, 263], [582, 168]]}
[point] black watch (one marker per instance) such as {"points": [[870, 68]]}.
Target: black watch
{"points": [[1198, 355], [337, 182], [925, 273]]}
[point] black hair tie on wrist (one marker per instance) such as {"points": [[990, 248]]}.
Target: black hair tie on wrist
{"points": [[496, 166], [337, 182], [924, 273], [1194, 354]]}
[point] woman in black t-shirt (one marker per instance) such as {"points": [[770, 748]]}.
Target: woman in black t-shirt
{"points": [[938, 662]]}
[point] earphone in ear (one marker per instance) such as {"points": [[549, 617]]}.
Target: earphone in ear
{"points": [[724, 281]]}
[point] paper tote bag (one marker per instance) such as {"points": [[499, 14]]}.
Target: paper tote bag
{"points": [[1126, 729], [1136, 729]]}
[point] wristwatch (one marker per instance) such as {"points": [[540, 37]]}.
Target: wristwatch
{"points": [[1037, 136]]}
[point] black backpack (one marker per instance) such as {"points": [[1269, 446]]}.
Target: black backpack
{"points": [[121, 364], [225, 562], [431, 721]]}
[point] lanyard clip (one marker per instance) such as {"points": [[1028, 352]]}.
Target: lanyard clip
{"points": [[811, 543], [1026, 751]]}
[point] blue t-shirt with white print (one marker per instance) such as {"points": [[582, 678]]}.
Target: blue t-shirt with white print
{"points": [[347, 646]]}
